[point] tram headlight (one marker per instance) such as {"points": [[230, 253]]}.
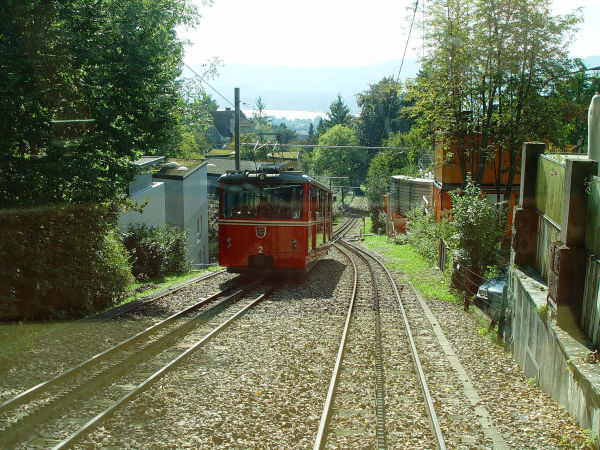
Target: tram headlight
{"points": [[294, 244], [228, 242]]}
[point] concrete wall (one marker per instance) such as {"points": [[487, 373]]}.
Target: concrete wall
{"points": [[195, 211], [174, 202], [186, 206], [550, 355], [408, 192], [153, 213]]}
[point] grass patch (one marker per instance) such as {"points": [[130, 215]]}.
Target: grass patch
{"points": [[136, 289], [423, 274]]}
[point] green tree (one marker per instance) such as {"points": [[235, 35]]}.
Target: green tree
{"points": [[195, 121], [339, 114], [350, 162], [378, 182], [113, 62], [572, 94], [285, 135], [87, 87], [261, 123], [487, 74], [380, 108]]}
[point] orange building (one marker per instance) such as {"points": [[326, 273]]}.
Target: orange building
{"points": [[448, 176]]}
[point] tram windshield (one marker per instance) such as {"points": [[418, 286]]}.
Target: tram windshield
{"points": [[282, 201], [240, 200], [276, 201]]}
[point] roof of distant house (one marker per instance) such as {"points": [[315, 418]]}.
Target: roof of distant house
{"points": [[222, 120], [217, 166], [178, 168], [284, 155], [221, 153]]}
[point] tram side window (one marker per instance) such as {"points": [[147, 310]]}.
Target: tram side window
{"points": [[282, 201], [322, 203], [313, 199], [240, 201]]}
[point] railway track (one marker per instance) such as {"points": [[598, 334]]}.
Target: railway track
{"points": [[345, 398], [117, 375], [349, 223], [62, 331], [262, 383], [375, 364]]}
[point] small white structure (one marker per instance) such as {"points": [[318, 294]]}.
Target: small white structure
{"points": [[186, 203], [176, 195], [144, 189]]}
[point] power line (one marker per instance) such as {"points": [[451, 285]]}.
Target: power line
{"points": [[334, 146], [408, 39], [208, 84]]}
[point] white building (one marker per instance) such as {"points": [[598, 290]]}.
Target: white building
{"points": [[176, 195], [144, 189]]}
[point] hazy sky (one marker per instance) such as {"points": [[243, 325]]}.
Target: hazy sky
{"points": [[333, 33]]}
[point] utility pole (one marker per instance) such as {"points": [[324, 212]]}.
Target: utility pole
{"points": [[236, 129]]}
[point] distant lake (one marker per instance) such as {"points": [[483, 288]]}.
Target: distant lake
{"points": [[289, 115]]}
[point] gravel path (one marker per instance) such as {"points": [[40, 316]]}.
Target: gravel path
{"points": [[263, 381]]}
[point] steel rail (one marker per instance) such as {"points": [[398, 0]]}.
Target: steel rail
{"points": [[106, 314], [433, 420], [100, 378], [24, 396], [142, 301], [380, 388], [96, 421], [321, 438], [345, 227]]}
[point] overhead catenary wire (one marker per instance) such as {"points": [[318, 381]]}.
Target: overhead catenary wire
{"points": [[403, 149], [208, 84], [407, 40]]}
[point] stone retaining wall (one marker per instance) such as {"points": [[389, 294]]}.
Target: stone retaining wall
{"points": [[550, 355]]}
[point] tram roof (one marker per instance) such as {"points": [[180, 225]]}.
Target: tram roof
{"points": [[278, 177]]}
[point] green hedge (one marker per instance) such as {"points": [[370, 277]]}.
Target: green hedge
{"points": [[60, 261], [156, 251]]}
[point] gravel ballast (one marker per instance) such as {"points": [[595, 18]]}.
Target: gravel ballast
{"points": [[262, 382]]}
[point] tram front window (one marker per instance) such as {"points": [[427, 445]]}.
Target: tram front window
{"points": [[282, 201], [240, 201]]}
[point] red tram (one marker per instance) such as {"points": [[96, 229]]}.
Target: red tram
{"points": [[273, 221]]}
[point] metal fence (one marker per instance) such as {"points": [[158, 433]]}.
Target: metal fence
{"points": [[442, 255]]}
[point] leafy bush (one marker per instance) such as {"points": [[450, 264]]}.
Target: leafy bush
{"points": [[58, 261], [424, 233], [480, 227], [156, 251]]}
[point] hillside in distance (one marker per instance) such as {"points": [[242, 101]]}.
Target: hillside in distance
{"points": [[300, 89], [288, 88]]}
